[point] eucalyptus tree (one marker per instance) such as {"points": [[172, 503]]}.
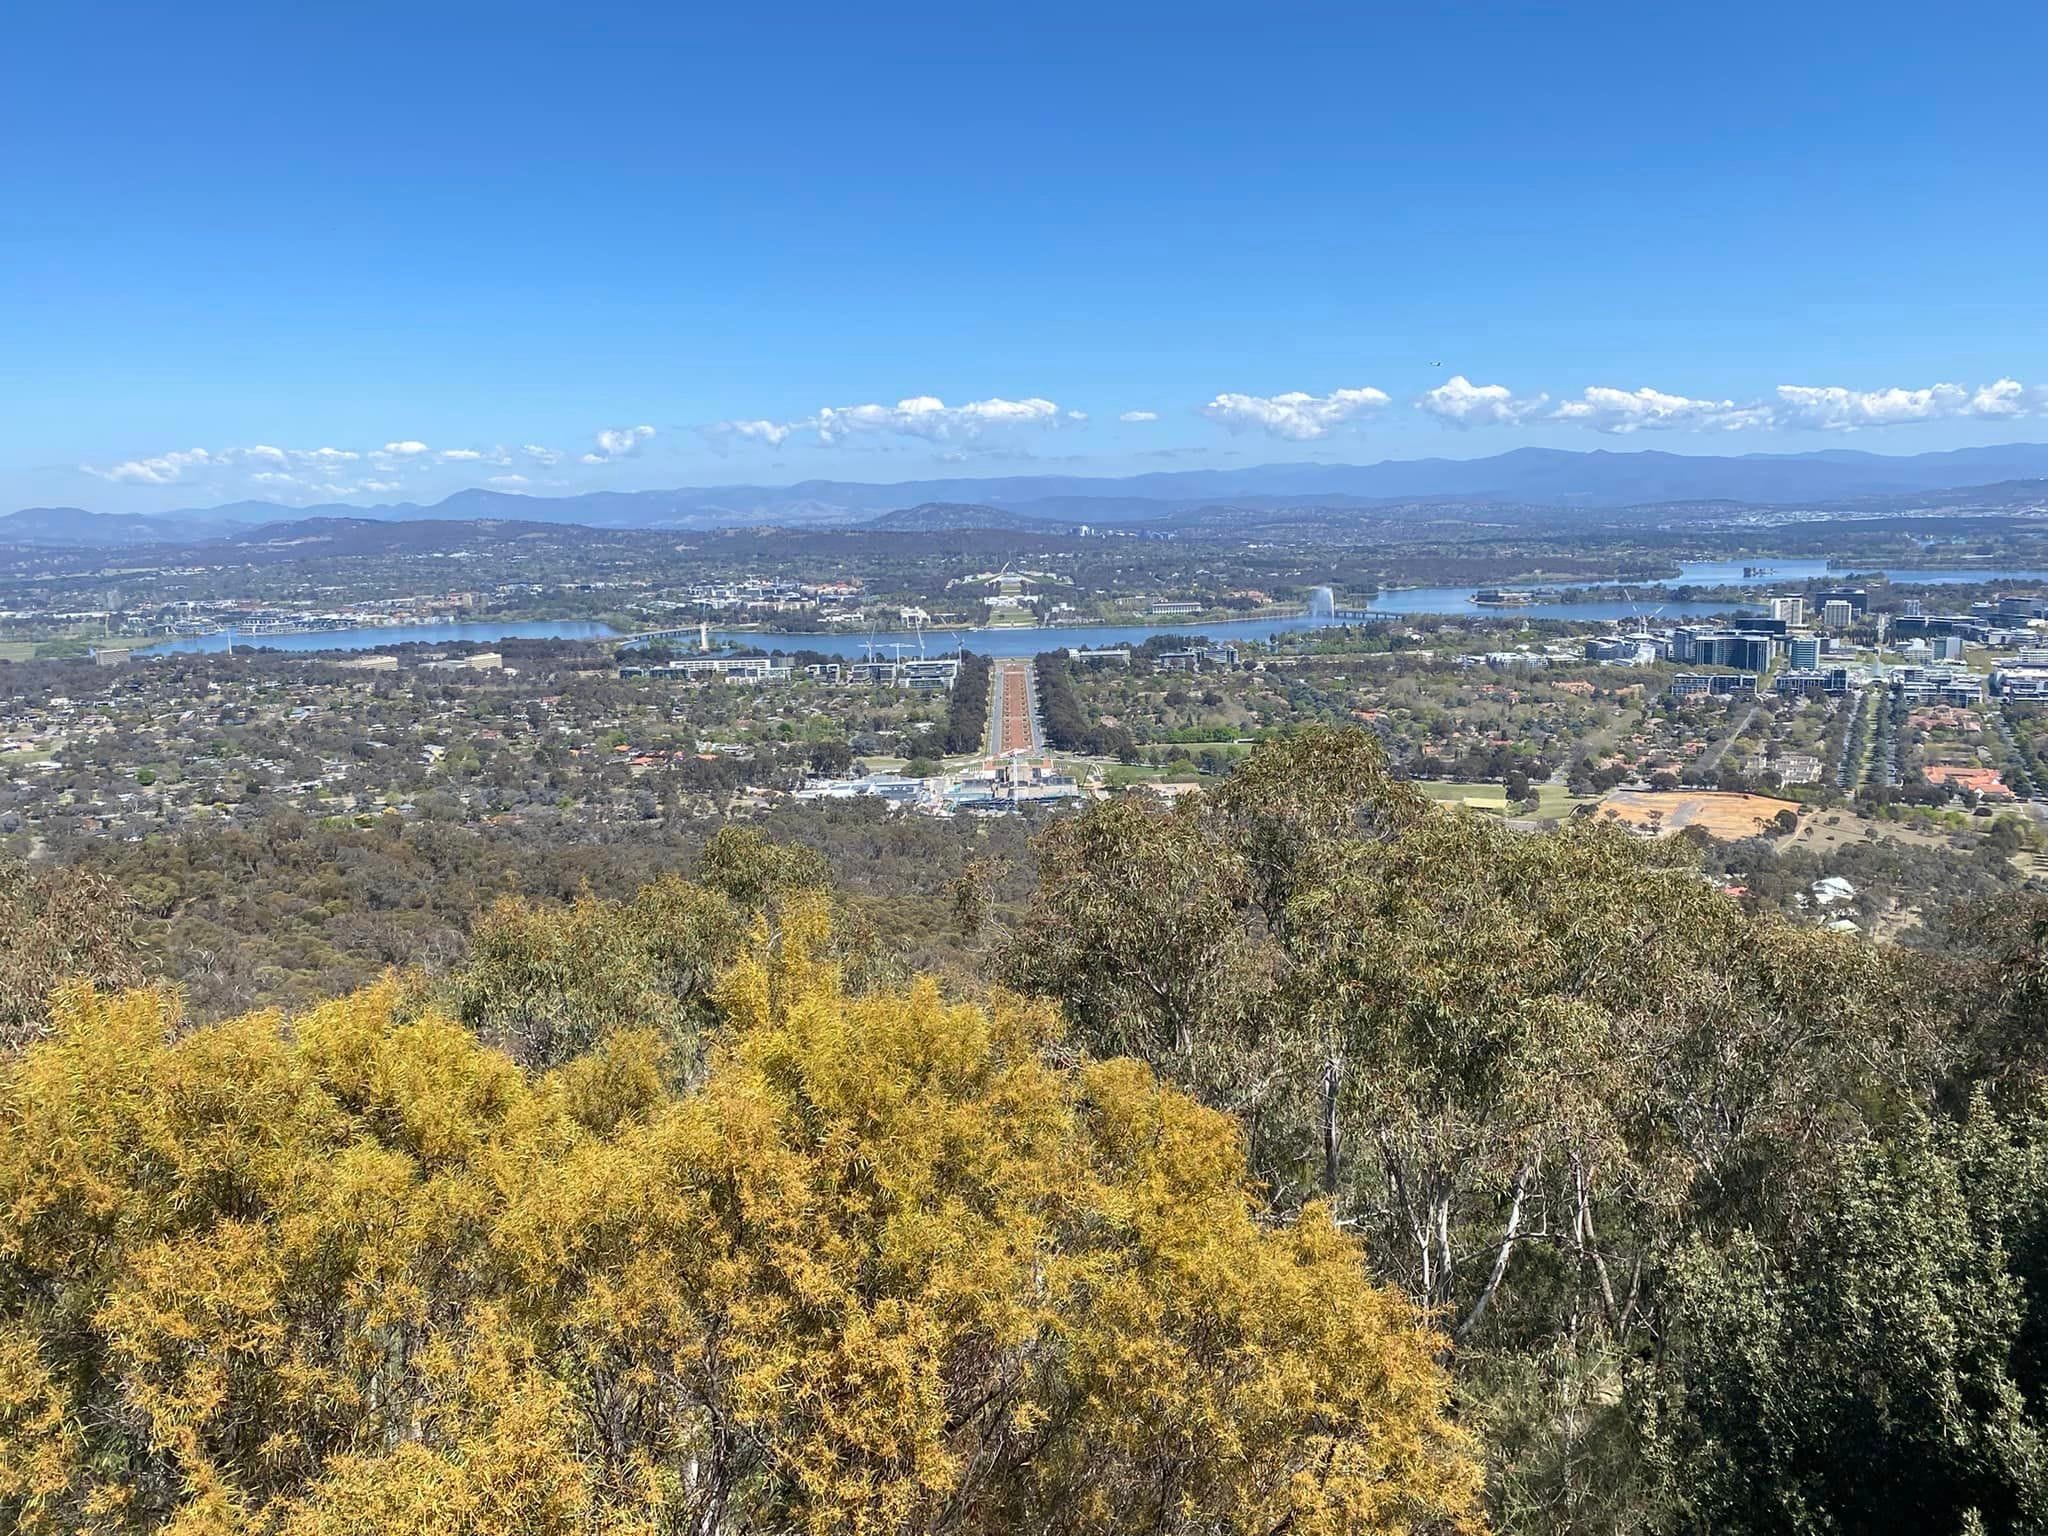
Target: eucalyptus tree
{"points": [[1527, 1069]]}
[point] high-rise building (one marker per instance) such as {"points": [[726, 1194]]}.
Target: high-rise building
{"points": [[1752, 653], [1805, 653], [1910, 607], [1858, 598], [1838, 614], [1790, 609], [1723, 648]]}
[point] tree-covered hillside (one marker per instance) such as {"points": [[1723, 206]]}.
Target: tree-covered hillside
{"points": [[1303, 1157]]}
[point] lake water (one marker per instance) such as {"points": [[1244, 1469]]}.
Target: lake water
{"points": [[378, 637], [1450, 602], [1029, 642], [1728, 573], [1416, 602]]}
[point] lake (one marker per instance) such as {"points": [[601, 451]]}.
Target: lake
{"points": [[1451, 602], [377, 637], [1728, 573], [1029, 642], [1415, 602], [1699, 573]]}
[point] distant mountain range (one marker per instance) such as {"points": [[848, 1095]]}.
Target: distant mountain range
{"points": [[948, 516], [1527, 476]]}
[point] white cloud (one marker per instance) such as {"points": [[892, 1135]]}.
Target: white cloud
{"points": [[2007, 397], [298, 458], [618, 443], [170, 468], [320, 469], [1831, 408], [269, 465], [930, 418], [1295, 416], [164, 469], [921, 416], [1800, 407], [1464, 404], [300, 489], [1623, 411]]}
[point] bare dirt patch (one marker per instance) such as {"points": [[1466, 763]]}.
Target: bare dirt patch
{"points": [[1719, 813]]}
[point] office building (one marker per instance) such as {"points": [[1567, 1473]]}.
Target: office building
{"points": [[1811, 683], [1750, 653], [1858, 599], [934, 674], [1932, 625], [1689, 685], [1938, 683], [1630, 650], [2020, 682], [1722, 648]]}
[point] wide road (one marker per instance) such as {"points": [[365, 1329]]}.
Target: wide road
{"points": [[1013, 717], [1712, 758]]}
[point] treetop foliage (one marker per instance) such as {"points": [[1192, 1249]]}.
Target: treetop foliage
{"points": [[1323, 1161], [58, 924], [1535, 1072], [888, 1268]]}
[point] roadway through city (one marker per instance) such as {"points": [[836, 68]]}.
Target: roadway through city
{"points": [[1013, 712], [1719, 750]]}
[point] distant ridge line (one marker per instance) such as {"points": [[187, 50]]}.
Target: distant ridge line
{"points": [[1581, 480]]}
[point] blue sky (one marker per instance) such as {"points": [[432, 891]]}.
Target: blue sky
{"points": [[562, 248]]}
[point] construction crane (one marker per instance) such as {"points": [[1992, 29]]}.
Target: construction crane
{"points": [[1642, 619]]}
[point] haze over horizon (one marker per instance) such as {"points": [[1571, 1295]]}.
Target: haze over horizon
{"points": [[1928, 470], [648, 250]]}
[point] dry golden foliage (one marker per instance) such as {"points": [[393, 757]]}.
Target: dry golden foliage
{"points": [[890, 1269]]}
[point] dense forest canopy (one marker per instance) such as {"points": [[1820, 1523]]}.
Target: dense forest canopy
{"points": [[1301, 1157]]}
